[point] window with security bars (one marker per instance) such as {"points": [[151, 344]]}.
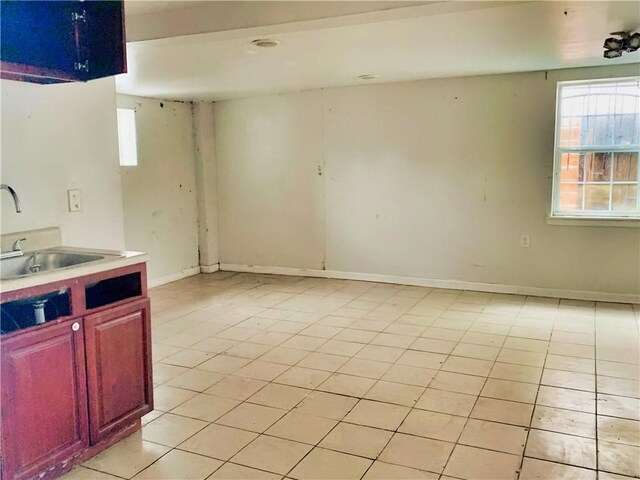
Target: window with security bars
{"points": [[597, 145]]}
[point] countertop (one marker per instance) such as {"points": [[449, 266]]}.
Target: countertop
{"points": [[114, 259]]}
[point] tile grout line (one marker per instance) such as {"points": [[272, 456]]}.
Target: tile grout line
{"points": [[595, 388], [474, 404], [533, 410]]}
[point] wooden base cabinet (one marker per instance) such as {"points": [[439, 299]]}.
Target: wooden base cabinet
{"points": [[44, 400], [72, 387], [118, 367]]}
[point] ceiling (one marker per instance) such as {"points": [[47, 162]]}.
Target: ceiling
{"points": [[136, 7], [431, 40], [151, 19]]}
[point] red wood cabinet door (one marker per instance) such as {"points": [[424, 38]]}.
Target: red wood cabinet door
{"points": [[118, 343], [44, 399]]}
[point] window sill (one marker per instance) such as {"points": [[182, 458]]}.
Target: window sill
{"points": [[595, 221]]}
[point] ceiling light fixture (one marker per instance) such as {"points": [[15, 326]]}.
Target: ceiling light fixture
{"points": [[628, 42], [265, 43], [368, 76]]}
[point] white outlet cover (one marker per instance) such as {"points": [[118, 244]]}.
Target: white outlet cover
{"points": [[525, 241], [75, 202]]}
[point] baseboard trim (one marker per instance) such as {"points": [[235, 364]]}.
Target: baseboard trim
{"points": [[173, 277], [209, 268], [436, 283]]}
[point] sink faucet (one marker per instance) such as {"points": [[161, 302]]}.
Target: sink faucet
{"points": [[13, 193], [15, 252]]}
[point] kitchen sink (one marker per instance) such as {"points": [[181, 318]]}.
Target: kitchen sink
{"points": [[32, 263]]}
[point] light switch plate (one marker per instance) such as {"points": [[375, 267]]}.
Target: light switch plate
{"points": [[75, 202]]}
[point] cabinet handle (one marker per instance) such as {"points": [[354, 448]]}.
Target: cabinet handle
{"points": [[75, 327], [81, 66]]}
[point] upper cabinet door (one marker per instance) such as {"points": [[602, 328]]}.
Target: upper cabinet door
{"points": [[50, 41], [103, 44]]}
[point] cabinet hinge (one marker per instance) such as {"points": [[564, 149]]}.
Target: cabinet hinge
{"points": [[78, 17], [81, 66]]}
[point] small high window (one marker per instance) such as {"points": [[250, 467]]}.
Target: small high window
{"points": [[597, 145], [127, 141]]}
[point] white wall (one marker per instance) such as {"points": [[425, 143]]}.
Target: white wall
{"points": [[159, 195], [433, 179], [269, 192], [59, 137]]}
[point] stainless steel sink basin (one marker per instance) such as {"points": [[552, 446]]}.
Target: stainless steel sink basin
{"points": [[32, 263]]}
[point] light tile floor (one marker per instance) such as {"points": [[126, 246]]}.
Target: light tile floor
{"points": [[265, 377]]}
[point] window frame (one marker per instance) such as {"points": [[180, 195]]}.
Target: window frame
{"points": [[591, 215]]}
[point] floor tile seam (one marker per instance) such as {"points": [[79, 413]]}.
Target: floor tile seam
{"points": [[440, 473], [603, 415], [345, 415], [526, 440], [108, 473], [458, 442], [565, 433], [571, 465], [315, 389], [355, 356], [171, 449], [393, 432], [181, 416], [182, 449], [469, 417], [328, 433], [183, 315], [252, 467], [565, 464], [486, 379], [570, 409], [279, 384], [597, 433]]}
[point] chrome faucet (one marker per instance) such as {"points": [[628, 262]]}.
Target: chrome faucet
{"points": [[16, 251], [13, 193]]}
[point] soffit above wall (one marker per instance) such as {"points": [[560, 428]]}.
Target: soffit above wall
{"points": [[435, 40]]}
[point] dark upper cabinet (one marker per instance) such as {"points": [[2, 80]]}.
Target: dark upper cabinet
{"points": [[51, 41]]}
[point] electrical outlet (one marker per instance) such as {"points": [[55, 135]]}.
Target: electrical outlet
{"points": [[525, 241], [75, 202]]}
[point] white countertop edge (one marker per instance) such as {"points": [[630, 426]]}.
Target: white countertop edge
{"points": [[120, 259]]}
